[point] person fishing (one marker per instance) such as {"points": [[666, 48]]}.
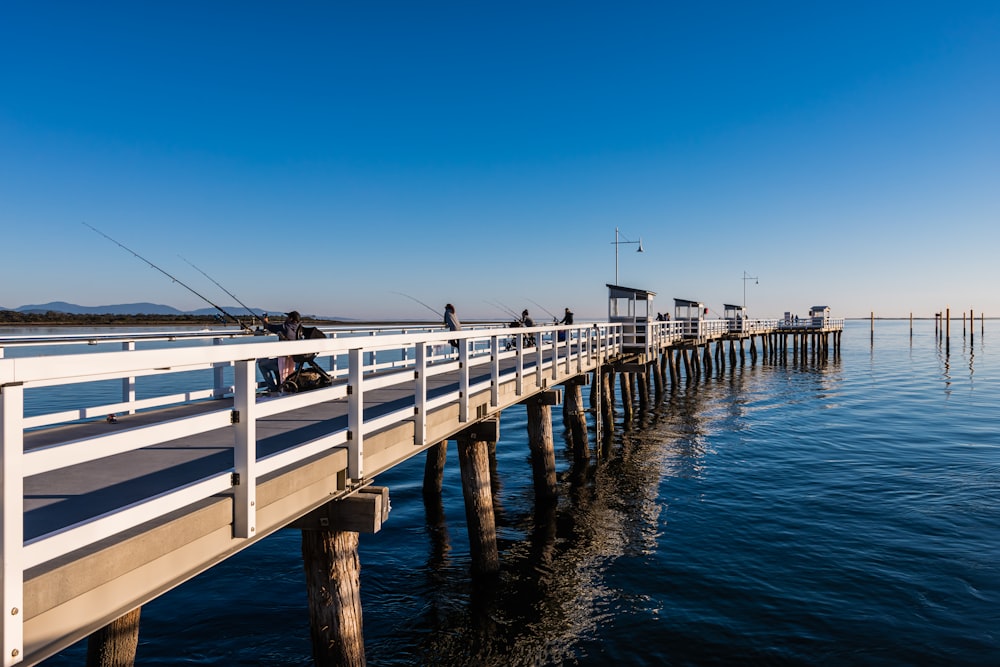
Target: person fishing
{"points": [[451, 321], [567, 319], [275, 369]]}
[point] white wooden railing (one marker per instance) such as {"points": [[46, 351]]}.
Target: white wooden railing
{"points": [[360, 362]]}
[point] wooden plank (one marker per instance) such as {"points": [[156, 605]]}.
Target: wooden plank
{"points": [[361, 512]]}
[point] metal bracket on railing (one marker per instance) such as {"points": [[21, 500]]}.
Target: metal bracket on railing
{"points": [[234, 417], [350, 390], [234, 479]]}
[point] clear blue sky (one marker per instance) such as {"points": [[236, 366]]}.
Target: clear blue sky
{"points": [[325, 155]]}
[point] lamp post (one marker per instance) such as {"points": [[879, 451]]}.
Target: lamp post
{"points": [[618, 243], [746, 277]]}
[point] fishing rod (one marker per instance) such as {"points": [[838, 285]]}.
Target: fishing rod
{"points": [[505, 309], [551, 314], [413, 298], [241, 325], [252, 314]]}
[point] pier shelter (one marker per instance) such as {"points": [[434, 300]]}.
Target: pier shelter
{"points": [[736, 316], [631, 307], [819, 316], [691, 313]]}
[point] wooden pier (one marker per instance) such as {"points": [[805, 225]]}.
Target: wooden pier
{"points": [[100, 518]]}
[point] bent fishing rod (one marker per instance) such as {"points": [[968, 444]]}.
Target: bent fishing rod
{"points": [[497, 304], [252, 314], [551, 314], [241, 325], [413, 298]]}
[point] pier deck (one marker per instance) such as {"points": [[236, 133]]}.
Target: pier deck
{"points": [[100, 517]]}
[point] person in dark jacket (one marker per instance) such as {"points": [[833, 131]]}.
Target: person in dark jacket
{"points": [[290, 329], [451, 321], [567, 319]]}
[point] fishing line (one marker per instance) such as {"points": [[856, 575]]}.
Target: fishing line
{"points": [[253, 314], [551, 314], [241, 325], [413, 298]]}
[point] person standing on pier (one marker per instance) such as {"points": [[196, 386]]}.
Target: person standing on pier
{"points": [[274, 369], [526, 320], [567, 319], [451, 321]]}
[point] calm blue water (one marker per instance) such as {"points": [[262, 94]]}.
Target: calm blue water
{"points": [[838, 514]]}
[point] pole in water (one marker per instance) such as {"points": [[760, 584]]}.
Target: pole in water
{"points": [[252, 314], [241, 325]]}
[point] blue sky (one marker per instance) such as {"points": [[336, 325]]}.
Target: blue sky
{"points": [[325, 156]]}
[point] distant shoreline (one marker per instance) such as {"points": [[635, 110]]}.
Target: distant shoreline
{"points": [[13, 318]]}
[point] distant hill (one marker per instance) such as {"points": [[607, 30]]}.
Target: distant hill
{"points": [[118, 309], [144, 309]]}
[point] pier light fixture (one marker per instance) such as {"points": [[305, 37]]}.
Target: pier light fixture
{"points": [[617, 242], [746, 277]]}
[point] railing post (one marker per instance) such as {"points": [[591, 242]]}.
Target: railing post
{"points": [[128, 384], [539, 362], [519, 346], [218, 379], [463, 384], [555, 357], [420, 396], [494, 371], [245, 454], [355, 413], [12, 521]]}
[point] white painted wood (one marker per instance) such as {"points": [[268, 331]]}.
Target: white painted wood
{"points": [[245, 451], [12, 565]]}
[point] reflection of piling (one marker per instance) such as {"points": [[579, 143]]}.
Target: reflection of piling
{"points": [[115, 644]]}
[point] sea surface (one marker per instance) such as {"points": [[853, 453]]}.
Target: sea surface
{"points": [[840, 512]]}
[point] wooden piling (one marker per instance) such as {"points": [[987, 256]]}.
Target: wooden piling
{"points": [[540, 442], [607, 405], [643, 382], [474, 461], [575, 420], [115, 644], [625, 386], [333, 581], [657, 368], [434, 469]]}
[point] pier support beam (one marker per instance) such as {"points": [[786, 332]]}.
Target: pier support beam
{"points": [[115, 644], [474, 460], [625, 385], [575, 418], [541, 443], [657, 368], [333, 579], [434, 469]]}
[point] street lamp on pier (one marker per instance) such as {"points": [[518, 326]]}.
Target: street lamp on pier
{"points": [[617, 243], [746, 277]]}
